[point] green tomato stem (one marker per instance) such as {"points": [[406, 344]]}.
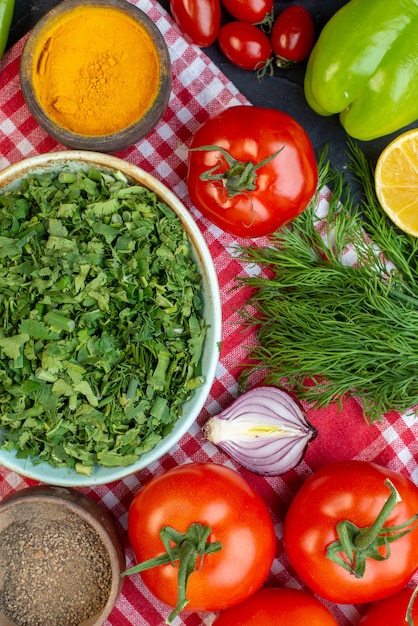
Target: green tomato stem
{"points": [[189, 549], [367, 536], [355, 545], [240, 177], [266, 24], [283, 63], [410, 607]]}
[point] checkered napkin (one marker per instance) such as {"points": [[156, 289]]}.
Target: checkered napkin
{"points": [[200, 90]]}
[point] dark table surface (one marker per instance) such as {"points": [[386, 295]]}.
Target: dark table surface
{"points": [[283, 91]]}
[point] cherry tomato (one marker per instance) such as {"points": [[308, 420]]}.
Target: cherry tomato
{"points": [[278, 607], [258, 173], [245, 45], [217, 497], [352, 494], [392, 610], [292, 36], [199, 20], [251, 11]]}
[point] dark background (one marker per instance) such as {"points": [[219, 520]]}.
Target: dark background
{"points": [[283, 91]]}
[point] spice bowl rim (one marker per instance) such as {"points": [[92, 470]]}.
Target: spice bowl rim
{"points": [[212, 311], [91, 512], [107, 143]]}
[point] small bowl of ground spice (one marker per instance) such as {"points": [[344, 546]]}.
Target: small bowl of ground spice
{"points": [[96, 75], [60, 559]]}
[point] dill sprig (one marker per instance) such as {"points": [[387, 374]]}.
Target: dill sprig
{"points": [[327, 329]]}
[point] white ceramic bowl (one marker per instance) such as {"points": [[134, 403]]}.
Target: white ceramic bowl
{"points": [[83, 160]]}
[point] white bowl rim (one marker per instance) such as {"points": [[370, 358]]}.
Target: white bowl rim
{"points": [[51, 161]]}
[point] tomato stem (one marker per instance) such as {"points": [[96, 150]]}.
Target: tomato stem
{"points": [[266, 67], [410, 607], [355, 545], [266, 24], [240, 177], [189, 549], [284, 63]]}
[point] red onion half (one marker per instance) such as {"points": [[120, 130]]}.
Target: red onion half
{"points": [[264, 429]]}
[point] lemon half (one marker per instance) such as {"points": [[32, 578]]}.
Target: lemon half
{"points": [[396, 181]]}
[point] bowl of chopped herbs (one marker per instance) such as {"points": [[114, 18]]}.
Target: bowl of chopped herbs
{"points": [[110, 318]]}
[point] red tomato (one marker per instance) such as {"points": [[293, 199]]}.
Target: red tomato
{"points": [[220, 498], [278, 607], [252, 11], [292, 36], [392, 610], [199, 20], [245, 45], [355, 491], [274, 191]]}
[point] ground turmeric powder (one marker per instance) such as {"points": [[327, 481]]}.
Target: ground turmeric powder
{"points": [[95, 71]]}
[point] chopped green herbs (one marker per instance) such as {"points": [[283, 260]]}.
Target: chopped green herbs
{"points": [[352, 330], [102, 327]]}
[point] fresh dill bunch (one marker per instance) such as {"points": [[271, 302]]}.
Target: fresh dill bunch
{"points": [[328, 328]]}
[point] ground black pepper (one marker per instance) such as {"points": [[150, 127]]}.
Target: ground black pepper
{"points": [[54, 570]]}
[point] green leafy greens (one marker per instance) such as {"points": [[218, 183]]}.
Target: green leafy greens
{"points": [[327, 329], [102, 324]]}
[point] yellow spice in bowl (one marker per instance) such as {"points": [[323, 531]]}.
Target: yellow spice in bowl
{"points": [[96, 71]]}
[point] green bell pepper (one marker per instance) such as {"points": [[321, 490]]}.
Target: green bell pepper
{"points": [[6, 15], [364, 67]]}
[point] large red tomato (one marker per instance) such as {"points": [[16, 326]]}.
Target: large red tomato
{"points": [[199, 20], [216, 497], [335, 512], [251, 170], [392, 611], [278, 607]]}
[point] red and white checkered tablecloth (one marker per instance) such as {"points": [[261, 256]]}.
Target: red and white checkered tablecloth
{"points": [[199, 90]]}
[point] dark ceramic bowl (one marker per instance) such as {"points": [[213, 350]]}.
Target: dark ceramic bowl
{"points": [[59, 122], [60, 554]]}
